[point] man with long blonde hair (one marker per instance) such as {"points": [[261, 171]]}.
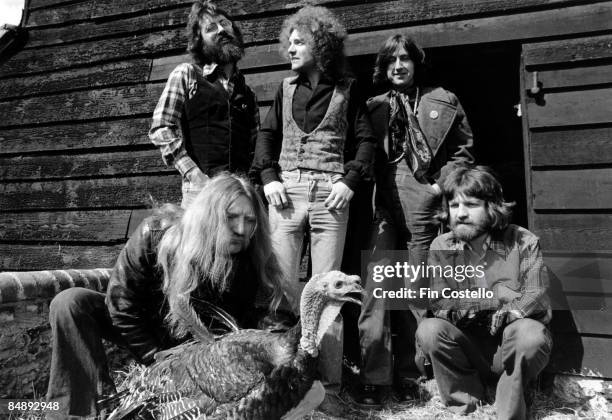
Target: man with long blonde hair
{"points": [[217, 251]]}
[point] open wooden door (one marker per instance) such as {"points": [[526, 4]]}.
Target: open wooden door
{"points": [[566, 104]]}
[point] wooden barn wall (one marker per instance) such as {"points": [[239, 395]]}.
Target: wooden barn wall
{"points": [[569, 149], [76, 166], [77, 171]]}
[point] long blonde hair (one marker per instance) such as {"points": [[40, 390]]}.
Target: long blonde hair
{"points": [[191, 255]]}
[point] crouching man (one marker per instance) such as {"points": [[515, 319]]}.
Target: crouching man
{"points": [[490, 320], [177, 262]]}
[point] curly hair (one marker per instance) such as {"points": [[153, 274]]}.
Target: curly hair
{"points": [[195, 43], [323, 33], [478, 182], [385, 57]]}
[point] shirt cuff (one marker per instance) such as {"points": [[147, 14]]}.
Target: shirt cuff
{"points": [[184, 164], [269, 175], [352, 179]]}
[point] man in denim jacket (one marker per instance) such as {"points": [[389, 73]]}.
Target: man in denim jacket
{"points": [[423, 133]]}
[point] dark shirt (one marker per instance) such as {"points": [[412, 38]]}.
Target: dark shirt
{"points": [[309, 108]]}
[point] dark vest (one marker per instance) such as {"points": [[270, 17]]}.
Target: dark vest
{"points": [[218, 127]]}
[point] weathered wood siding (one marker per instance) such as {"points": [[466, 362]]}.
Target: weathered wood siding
{"points": [[77, 168], [568, 124], [75, 159]]}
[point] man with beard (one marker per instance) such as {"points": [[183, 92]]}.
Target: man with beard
{"points": [[176, 264], [207, 118], [502, 336]]}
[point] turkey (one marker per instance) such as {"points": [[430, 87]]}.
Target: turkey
{"points": [[251, 374]]}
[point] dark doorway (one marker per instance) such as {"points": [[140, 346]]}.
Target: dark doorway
{"points": [[485, 78]]}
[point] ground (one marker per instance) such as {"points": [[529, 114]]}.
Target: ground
{"points": [[569, 398]]}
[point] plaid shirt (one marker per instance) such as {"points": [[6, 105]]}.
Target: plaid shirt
{"points": [[510, 258], [165, 130]]}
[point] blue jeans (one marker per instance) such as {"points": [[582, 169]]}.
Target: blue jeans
{"points": [[405, 210], [192, 183], [79, 374], [462, 363], [306, 192]]}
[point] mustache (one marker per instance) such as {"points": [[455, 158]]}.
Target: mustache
{"points": [[224, 36]]}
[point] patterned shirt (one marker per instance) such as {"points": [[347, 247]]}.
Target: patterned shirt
{"points": [[165, 130], [510, 258], [309, 107]]}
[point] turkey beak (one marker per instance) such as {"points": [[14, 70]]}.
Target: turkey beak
{"points": [[357, 292]]}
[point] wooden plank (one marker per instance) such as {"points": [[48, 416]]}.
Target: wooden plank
{"points": [[82, 105], [90, 193], [585, 322], [518, 26], [407, 10], [58, 57], [568, 50], [94, 9], [591, 106], [265, 85], [588, 356], [90, 77], [37, 4], [585, 273], [86, 165], [109, 102], [575, 232], [89, 29], [572, 189], [83, 136], [573, 77], [53, 257], [89, 226], [576, 146]]}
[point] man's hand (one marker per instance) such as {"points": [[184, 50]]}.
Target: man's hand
{"points": [[436, 188], [195, 176], [339, 197], [275, 194], [498, 320]]}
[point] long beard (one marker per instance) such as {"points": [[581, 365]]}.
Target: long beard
{"points": [[224, 51]]}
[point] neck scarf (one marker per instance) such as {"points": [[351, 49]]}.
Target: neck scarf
{"points": [[405, 135]]}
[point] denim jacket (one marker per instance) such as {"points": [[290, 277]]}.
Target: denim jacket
{"points": [[444, 124]]}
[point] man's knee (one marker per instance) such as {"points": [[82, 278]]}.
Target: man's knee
{"points": [[529, 338], [431, 331], [70, 303]]}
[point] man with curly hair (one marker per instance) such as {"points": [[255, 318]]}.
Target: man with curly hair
{"points": [[490, 322], [314, 149], [207, 118]]}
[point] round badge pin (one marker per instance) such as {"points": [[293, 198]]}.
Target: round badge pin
{"points": [[433, 114]]}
